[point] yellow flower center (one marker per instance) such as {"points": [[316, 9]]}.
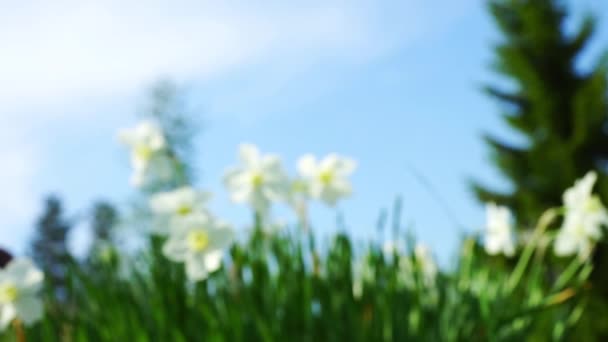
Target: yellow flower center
{"points": [[143, 152], [579, 231], [257, 179], [326, 177], [184, 210], [197, 240], [8, 293], [593, 205], [298, 186]]}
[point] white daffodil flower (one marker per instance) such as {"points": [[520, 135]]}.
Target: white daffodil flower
{"points": [[499, 232], [259, 179], [199, 242], [145, 140], [392, 247], [423, 261], [585, 208], [148, 157], [581, 192], [362, 273], [573, 239], [177, 204], [405, 272], [583, 221], [20, 282], [327, 179], [426, 262]]}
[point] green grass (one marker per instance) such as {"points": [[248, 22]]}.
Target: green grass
{"points": [[280, 287]]}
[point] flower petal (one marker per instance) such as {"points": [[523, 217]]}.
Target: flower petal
{"points": [[196, 269], [25, 274], [163, 203], [307, 165], [29, 309], [7, 315], [565, 244], [176, 249], [213, 260], [492, 245]]}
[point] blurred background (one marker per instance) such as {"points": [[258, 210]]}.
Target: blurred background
{"points": [[397, 85]]}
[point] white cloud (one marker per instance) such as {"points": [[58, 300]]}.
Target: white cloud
{"points": [[54, 49]]}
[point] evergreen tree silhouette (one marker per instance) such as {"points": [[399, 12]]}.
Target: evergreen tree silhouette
{"points": [[560, 110], [104, 217], [49, 247]]}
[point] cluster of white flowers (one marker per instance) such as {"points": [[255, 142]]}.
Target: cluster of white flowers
{"points": [[198, 239], [583, 221], [260, 179], [20, 282], [584, 217], [194, 236], [149, 155]]}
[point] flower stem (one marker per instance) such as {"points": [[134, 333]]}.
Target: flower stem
{"points": [[19, 333], [544, 221], [567, 274]]}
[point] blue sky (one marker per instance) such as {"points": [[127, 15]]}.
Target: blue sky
{"points": [[395, 85]]}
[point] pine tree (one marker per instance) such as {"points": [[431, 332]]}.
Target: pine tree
{"points": [[104, 218], [559, 109], [49, 247], [168, 105]]}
